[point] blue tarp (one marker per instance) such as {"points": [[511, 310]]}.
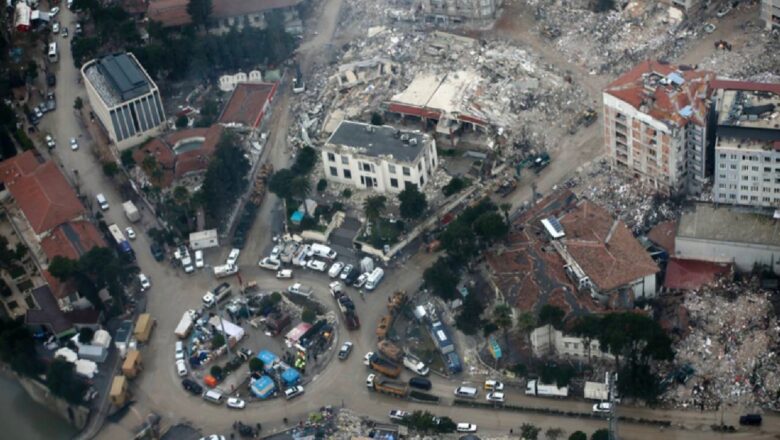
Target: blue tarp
{"points": [[453, 363], [263, 387], [268, 358], [291, 376]]}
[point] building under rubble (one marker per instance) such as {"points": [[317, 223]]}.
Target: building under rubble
{"points": [[459, 11], [747, 146], [656, 126], [380, 158], [770, 14]]}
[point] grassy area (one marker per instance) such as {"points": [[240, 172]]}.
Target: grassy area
{"points": [[384, 233]]}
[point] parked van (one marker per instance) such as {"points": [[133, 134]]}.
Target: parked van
{"points": [[420, 382], [213, 396], [467, 392], [374, 279], [54, 54], [322, 251], [102, 202]]}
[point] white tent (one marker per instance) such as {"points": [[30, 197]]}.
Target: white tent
{"points": [[102, 339], [67, 354], [232, 330], [86, 368]]}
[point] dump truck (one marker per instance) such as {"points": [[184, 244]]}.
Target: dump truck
{"points": [[185, 324], [390, 351], [131, 212], [535, 388], [507, 187], [392, 387], [396, 300], [143, 327], [384, 366], [346, 306], [383, 327]]}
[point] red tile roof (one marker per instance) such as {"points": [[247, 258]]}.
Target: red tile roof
{"points": [[693, 274], [664, 101], [663, 234], [605, 248], [72, 240], [58, 288], [177, 165], [248, 103], [174, 12], [41, 192]]}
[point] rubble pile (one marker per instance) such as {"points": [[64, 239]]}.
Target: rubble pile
{"points": [[731, 350], [609, 42], [755, 60], [637, 204]]}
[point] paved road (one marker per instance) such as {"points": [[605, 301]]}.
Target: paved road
{"points": [[157, 388]]}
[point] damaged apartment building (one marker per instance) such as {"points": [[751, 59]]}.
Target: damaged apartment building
{"points": [[459, 11], [656, 126]]}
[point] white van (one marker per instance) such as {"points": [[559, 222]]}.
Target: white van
{"points": [[374, 279], [102, 202], [468, 392], [213, 396], [322, 251], [54, 55]]}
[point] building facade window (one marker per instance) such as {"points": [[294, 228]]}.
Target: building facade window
{"points": [[407, 171], [394, 182], [391, 168], [331, 157], [334, 172], [347, 174], [344, 160]]}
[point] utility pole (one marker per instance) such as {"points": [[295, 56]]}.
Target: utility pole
{"points": [[224, 333], [612, 416]]}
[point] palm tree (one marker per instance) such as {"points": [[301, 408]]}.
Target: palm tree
{"points": [[300, 187], [373, 207], [502, 317]]}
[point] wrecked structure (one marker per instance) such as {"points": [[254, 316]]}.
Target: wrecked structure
{"points": [[459, 11], [655, 125]]}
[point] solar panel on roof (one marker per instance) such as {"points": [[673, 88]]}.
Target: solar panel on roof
{"points": [[557, 226]]}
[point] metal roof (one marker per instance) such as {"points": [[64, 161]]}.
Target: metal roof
{"points": [[378, 141], [124, 75]]}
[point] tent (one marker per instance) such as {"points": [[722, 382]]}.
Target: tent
{"points": [[295, 334], [86, 368], [232, 330], [67, 354], [263, 387], [291, 376], [101, 338], [268, 358]]}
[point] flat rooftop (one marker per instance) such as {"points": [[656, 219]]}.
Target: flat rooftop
{"points": [[754, 109], [705, 222], [449, 93], [384, 141], [118, 78]]}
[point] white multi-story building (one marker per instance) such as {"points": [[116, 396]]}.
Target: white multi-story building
{"points": [[381, 158], [747, 146], [124, 98], [655, 125], [548, 341], [770, 14], [458, 11]]}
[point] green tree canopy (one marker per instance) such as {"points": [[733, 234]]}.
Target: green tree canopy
{"points": [[281, 183], [255, 365], [304, 161], [601, 434], [308, 316], [218, 340], [441, 279], [374, 206], [490, 226], [529, 431], [17, 348], [469, 320], [550, 314], [226, 178], [455, 185], [413, 202], [502, 316], [578, 435], [199, 11], [62, 380]]}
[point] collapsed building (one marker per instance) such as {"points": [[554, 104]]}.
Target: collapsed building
{"points": [[459, 11]]}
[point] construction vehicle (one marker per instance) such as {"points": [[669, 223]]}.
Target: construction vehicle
{"points": [[540, 162], [346, 306], [507, 187], [390, 350], [723, 45], [586, 118], [535, 388], [391, 387], [384, 366], [396, 301], [383, 327], [551, 32]]}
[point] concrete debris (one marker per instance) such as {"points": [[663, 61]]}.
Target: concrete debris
{"points": [[730, 355]]}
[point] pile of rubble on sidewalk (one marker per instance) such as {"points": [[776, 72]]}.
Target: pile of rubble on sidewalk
{"points": [[731, 353], [607, 42], [639, 205], [754, 57]]}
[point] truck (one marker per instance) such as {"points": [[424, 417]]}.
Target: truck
{"points": [[415, 365], [143, 327], [396, 301], [391, 387], [346, 306], [119, 239], [131, 212], [217, 295], [185, 324], [300, 289], [384, 366], [535, 388], [596, 391], [390, 350], [225, 270]]}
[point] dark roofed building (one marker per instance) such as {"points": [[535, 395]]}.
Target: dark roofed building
{"points": [[124, 76]]}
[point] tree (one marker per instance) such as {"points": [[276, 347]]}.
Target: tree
{"points": [[226, 178], [441, 279], [376, 119], [32, 70], [550, 314], [459, 241], [601, 434], [603, 5], [502, 316], [373, 207], [559, 374], [554, 433], [62, 380], [490, 226], [321, 185], [199, 11], [308, 315], [300, 187], [110, 169], [17, 348], [62, 268], [182, 121], [78, 104], [413, 202], [526, 322], [578, 435], [11, 258], [455, 185], [469, 320], [529, 431], [127, 159], [217, 341], [256, 365], [85, 335], [216, 371], [446, 425], [304, 161], [281, 183]]}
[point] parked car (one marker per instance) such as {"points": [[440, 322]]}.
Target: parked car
{"points": [[345, 350], [345, 271], [54, 11], [361, 280], [397, 415], [179, 350], [130, 233], [466, 427], [352, 276], [421, 383], [55, 28], [199, 258], [233, 257], [145, 283], [602, 407], [316, 265], [236, 403], [64, 32], [751, 420], [495, 396], [494, 385], [51, 80], [284, 274], [157, 252], [292, 392], [367, 358], [186, 263], [181, 368], [335, 269], [78, 28], [269, 263], [709, 28], [275, 252], [73, 144], [50, 142], [192, 386]]}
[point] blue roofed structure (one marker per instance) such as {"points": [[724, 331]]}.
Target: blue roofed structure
{"points": [[268, 358], [263, 388], [291, 376]]}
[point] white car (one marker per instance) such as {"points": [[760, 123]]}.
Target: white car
{"points": [[370, 380], [275, 252], [54, 11], [73, 144], [145, 283], [466, 427], [367, 358], [722, 12], [397, 415], [345, 272], [55, 28], [236, 403], [50, 142], [316, 265], [179, 350], [709, 28], [494, 385], [335, 269], [269, 263], [130, 233], [361, 280], [186, 262], [199, 258], [284, 274], [181, 367], [602, 408], [233, 257], [291, 392], [495, 396]]}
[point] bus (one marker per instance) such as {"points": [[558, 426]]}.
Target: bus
{"points": [[54, 55], [119, 239]]}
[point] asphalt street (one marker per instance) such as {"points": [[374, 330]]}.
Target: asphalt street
{"points": [[340, 383]]}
